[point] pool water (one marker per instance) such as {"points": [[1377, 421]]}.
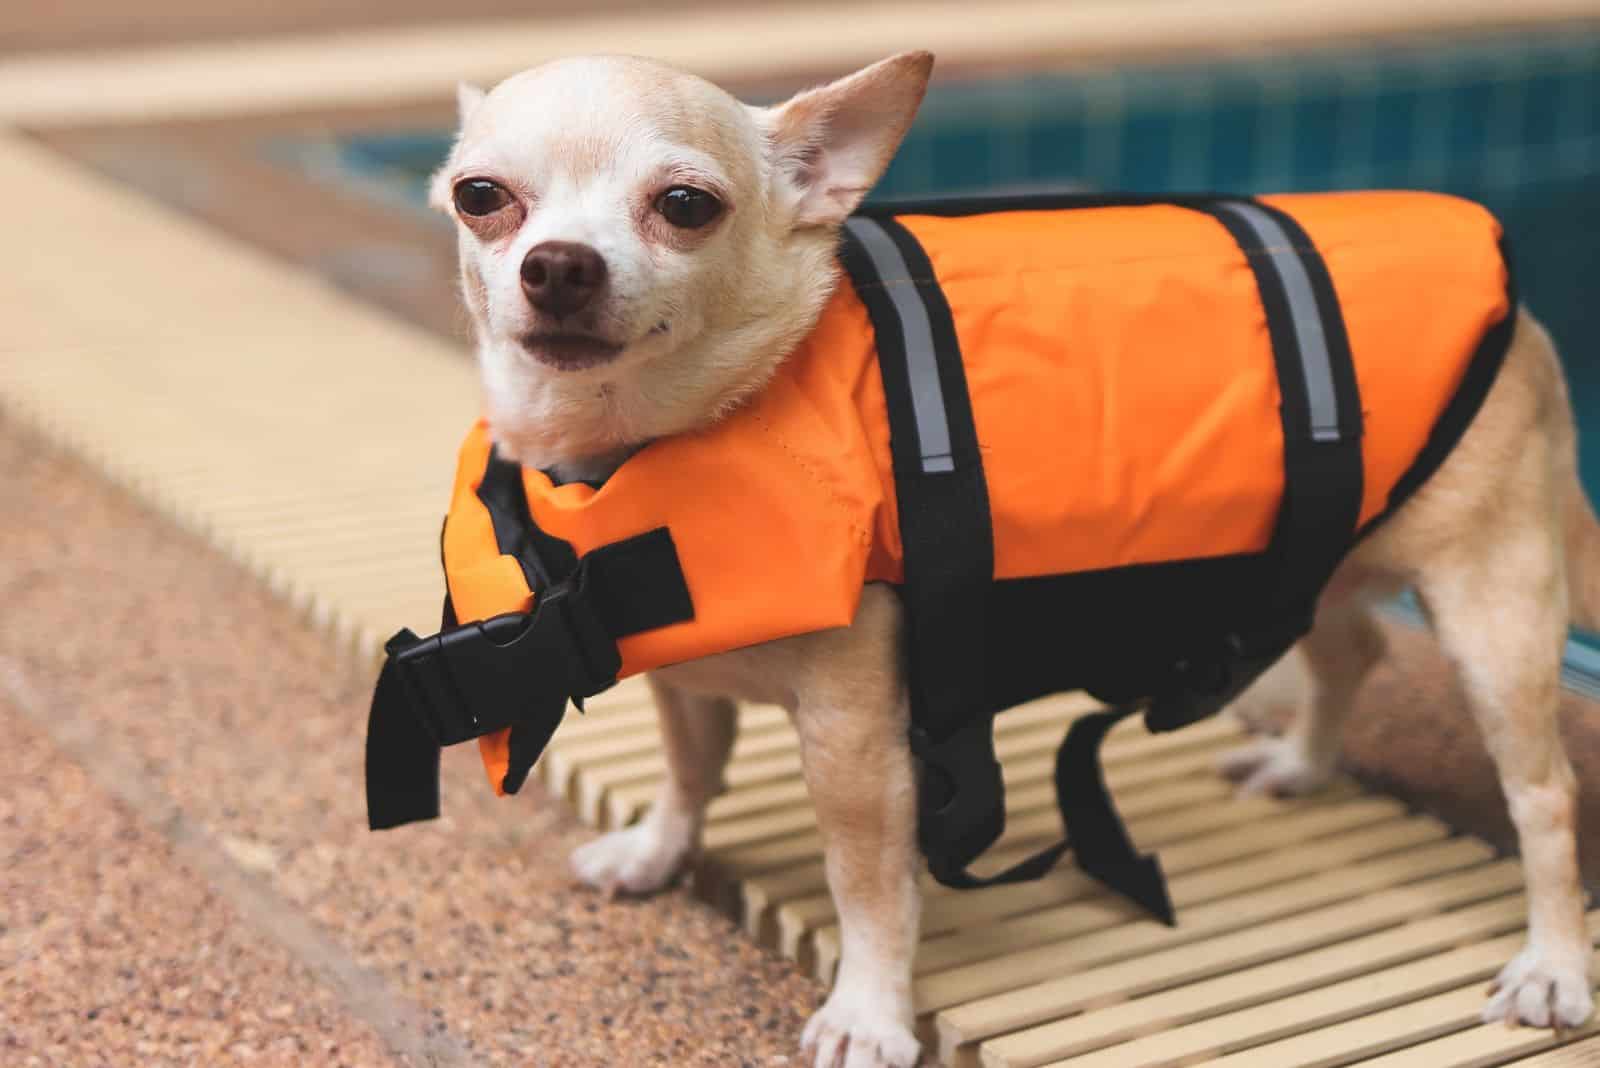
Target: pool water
{"points": [[1510, 121]]}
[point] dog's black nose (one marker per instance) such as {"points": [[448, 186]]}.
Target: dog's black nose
{"points": [[562, 277]]}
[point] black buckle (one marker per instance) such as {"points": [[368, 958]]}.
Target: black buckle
{"points": [[477, 678], [960, 795]]}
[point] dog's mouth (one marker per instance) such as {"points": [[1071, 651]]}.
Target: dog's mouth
{"points": [[570, 351]]}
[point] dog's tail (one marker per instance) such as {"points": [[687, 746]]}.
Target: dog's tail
{"points": [[1583, 559]]}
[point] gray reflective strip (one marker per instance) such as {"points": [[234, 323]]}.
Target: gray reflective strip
{"points": [[1303, 313], [927, 396]]}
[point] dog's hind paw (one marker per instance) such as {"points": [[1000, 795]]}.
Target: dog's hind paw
{"points": [[1276, 767], [1535, 992], [635, 860], [850, 1032]]}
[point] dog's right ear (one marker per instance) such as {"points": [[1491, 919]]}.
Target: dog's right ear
{"points": [[468, 97], [833, 143]]}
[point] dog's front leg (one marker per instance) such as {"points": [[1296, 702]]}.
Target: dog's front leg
{"points": [[858, 770], [696, 735]]}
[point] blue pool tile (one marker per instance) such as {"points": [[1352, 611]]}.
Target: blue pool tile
{"points": [[1473, 101], [1236, 131], [1541, 110], [960, 157], [1321, 116], [1396, 107], [1144, 161], [1055, 150]]}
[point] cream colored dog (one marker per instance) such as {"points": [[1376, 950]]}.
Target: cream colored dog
{"points": [[639, 252]]}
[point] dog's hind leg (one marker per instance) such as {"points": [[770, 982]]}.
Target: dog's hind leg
{"points": [[1339, 652], [1486, 543], [697, 735], [1501, 617]]}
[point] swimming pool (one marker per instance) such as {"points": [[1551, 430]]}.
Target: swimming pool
{"points": [[1512, 121]]}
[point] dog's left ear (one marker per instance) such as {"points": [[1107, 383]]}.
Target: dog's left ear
{"points": [[468, 97], [833, 143]]}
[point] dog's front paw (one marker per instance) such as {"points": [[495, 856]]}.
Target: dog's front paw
{"points": [[858, 1032], [1276, 767], [635, 860], [1536, 991]]}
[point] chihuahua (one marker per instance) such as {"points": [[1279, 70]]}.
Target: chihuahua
{"points": [[640, 251]]}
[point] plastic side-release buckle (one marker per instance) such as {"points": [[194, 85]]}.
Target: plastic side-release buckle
{"points": [[480, 677], [960, 796]]}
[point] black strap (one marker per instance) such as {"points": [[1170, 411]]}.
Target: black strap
{"points": [[948, 544], [1323, 476], [961, 808], [947, 539], [402, 758], [517, 670], [943, 500], [1094, 831], [1100, 841]]}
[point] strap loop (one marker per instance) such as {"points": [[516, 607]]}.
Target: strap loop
{"points": [[960, 798], [1100, 841]]}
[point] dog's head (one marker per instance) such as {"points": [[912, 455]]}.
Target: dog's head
{"points": [[639, 250]]}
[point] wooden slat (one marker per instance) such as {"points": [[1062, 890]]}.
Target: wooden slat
{"points": [[638, 757], [983, 942], [1185, 846], [985, 930], [1042, 823], [1079, 989], [1140, 794], [1581, 1053], [1029, 765], [1101, 1027], [1146, 813], [1189, 892], [1492, 1045], [1375, 1032], [1130, 782], [1054, 957], [1175, 826], [1334, 1024]]}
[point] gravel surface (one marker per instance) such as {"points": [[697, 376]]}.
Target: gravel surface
{"points": [[232, 709], [112, 952]]}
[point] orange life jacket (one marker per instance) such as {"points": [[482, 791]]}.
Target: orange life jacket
{"points": [[1115, 445]]}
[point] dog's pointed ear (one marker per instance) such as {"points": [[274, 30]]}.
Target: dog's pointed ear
{"points": [[468, 97], [832, 144]]}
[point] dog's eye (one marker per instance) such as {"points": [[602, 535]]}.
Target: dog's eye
{"points": [[688, 208], [479, 196]]}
